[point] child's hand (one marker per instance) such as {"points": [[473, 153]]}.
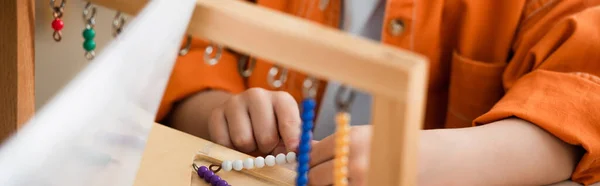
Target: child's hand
{"points": [[257, 120], [323, 153]]}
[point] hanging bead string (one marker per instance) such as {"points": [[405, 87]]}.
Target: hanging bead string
{"points": [[118, 24], [342, 136], [307, 116], [89, 18], [210, 176], [258, 162], [57, 23]]}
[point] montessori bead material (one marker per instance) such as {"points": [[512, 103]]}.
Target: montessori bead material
{"points": [[304, 148], [227, 165], [342, 148], [270, 160], [259, 162], [58, 24], [210, 177], [290, 157], [249, 163], [238, 165], [280, 159], [89, 45], [88, 34]]}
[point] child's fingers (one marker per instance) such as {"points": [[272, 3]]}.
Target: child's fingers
{"points": [[263, 119], [288, 119], [217, 128], [321, 174], [322, 151], [238, 122]]}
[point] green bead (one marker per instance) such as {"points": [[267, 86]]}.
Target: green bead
{"points": [[89, 45], [89, 33]]}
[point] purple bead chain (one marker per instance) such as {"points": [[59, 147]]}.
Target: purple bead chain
{"points": [[211, 177]]}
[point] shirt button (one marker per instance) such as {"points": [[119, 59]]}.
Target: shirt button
{"points": [[396, 27]]}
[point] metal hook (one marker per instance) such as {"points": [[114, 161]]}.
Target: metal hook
{"points": [[310, 87], [118, 24], [53, 4], [344, 105], [186, 48], [208, 51], [57, 35], [246, 65], [274, 71], [89, 20], [211, 167]]}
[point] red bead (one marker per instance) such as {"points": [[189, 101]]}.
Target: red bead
{"points": [[58, 24]]}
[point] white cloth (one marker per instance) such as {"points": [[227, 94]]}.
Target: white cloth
{"points": [[94, 131], [362, 18]]}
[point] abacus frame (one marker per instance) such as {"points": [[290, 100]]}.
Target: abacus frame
{"points": [[397, 79]]}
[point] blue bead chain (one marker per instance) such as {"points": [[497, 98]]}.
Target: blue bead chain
{"points": [[308, 116]]}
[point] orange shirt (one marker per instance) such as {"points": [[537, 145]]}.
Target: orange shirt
{"points": [[538, 60]]}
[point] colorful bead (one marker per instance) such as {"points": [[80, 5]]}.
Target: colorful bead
{"points": [[89, 45], [222, 183], [307, 116], [58, 24], [89, 34], [342, 148], [214, 180], [210, 177], [202, 170]]}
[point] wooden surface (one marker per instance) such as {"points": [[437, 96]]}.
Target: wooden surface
{"points": [[16, 64], [396, 77], [169, 155]]}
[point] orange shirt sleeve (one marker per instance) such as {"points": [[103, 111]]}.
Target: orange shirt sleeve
{"points": [[191, 75], [552, 79]]}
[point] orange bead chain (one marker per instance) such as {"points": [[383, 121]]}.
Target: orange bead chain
{"points": [[342, 148]]}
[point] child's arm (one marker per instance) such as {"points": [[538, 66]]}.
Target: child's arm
{"points": [[506, 152]]}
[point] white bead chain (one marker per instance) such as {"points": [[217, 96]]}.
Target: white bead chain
{"points": [[259, 162]]}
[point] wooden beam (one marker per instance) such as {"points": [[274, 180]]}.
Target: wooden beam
{"points": [[397, 78], [16, 64]]}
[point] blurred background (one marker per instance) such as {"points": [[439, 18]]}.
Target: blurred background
{"points": [[56, 63]]}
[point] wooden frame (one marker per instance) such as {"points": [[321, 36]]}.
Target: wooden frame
{"points": [[16, 64], [397, 79]]}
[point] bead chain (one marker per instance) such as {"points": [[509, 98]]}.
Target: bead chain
{"points": [[89, 45], [57, 23], [258, 162], [308, 115], [342, 140], [210, 176]]}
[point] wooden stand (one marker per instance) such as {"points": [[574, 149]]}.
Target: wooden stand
{"points": [[16, 64], [397, 79]]}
